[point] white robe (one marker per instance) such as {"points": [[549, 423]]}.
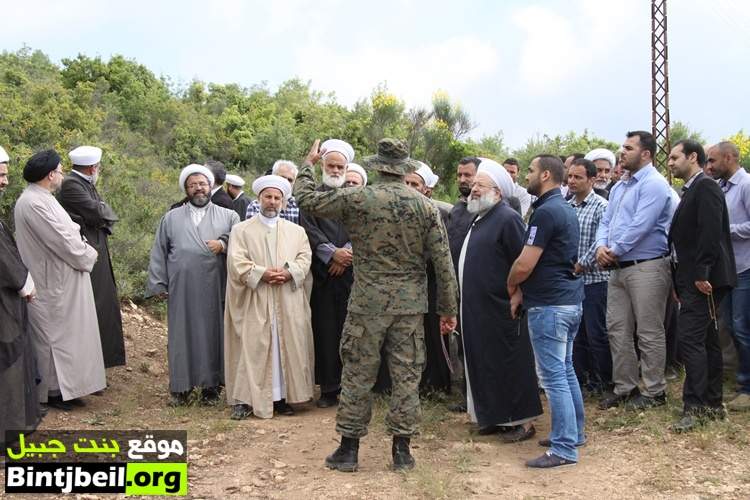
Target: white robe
{"points": [[62, 319], [268, 341]]}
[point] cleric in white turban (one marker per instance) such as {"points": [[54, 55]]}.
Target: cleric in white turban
{"points": [[272, 181], [338, 146], [188, 266], [605, 162], [193, 169], [498, 175], [355, 169], [85, 156]]}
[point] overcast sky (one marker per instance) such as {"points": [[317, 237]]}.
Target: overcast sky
{"points": [[520, 67]]}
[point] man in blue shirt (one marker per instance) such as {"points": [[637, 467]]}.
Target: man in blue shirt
{"points": [[735, 182], [632, 243], [552, 294]]}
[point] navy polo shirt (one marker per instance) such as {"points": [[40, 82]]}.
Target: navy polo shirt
{"points": [[554, 228]]}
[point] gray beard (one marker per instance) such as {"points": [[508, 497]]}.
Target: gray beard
{"points": [[269, 212], [600, 185], [482, 204], [199, 200]]}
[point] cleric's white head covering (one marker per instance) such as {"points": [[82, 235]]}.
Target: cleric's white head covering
{"points": [[498, 174], [194, 168], [601, 154], [235, 180], [272, 181], [353, 167], [427, 175], [85, 156], [338, 146], [4, 158]]}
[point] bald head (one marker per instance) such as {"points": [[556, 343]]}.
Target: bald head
{"points": [[723, 160]]}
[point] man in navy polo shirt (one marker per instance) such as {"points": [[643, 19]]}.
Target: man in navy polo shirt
{"points": [[552, 295]]}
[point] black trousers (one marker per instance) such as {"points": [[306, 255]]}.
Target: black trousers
{"points": [[700, 352]]}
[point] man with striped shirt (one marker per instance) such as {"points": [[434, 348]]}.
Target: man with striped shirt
{"points": [[592, 359]]}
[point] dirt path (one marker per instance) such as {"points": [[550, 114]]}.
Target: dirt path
{"points": [[628, 455]]}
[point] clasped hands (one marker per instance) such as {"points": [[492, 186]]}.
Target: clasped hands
{"points": [[341, 259], [276, 276]]}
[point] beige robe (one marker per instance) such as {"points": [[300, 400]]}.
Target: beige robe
{"points": [[62, 318], [251, 308]]}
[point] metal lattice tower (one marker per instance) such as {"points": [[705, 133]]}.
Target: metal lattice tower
{"points": [[660, 85]]}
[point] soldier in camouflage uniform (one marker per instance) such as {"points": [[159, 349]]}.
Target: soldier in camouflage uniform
{"points": [[392, 229]]}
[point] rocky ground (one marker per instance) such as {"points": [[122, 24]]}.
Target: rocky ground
{"points": [[628, 455]]}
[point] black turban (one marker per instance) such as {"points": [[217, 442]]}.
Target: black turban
{"points": [[40, 165]]}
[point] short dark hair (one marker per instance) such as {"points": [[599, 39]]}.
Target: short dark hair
{"points": [[553, 165], [645, 140], [586, 164], [470, 159], [220, 172], [511, 161], [689, 147], [576, 156]]}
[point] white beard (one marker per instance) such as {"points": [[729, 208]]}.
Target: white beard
{"points": [[600, 185], [483, 203], [333, 182]]}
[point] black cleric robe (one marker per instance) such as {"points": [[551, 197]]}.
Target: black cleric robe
{"points": [[501, 380], [85, 206], [19, 402], [240, 205], [329, 298]]}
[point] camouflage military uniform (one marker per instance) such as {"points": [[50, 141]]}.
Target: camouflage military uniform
{"points": [[392, 229]]}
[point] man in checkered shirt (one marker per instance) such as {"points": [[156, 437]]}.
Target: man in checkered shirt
{"points": [[592, 359], [288, 170]]}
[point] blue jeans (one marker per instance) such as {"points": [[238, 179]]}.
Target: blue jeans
{"points": [[552, 330], [739, 303]]}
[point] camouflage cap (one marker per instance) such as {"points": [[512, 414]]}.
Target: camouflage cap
{"points": [[392, 158]]}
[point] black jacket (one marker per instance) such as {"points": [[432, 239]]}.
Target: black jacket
{"points": [[700, 237]]}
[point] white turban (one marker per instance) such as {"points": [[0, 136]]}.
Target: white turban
{"points": [[4, 158], [427, 175], [498, 174], [601, 154], [194, 168], [353, 167], [338, 146], [235, 180], [272, 181], [85, 156]]}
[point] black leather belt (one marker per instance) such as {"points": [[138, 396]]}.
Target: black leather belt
{"points": [[628, 263]]}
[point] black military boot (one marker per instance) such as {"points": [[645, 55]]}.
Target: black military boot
{"points": [[402, 459], [344, 459]]}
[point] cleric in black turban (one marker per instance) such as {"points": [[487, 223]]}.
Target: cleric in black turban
{"points": [[41, 164]]}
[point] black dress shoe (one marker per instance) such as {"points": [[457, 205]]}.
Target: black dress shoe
{"points": [[641, 402], [518, 434], [57, 402], [402, 459], [345, 458], [77, 402], [282, 408], [488, 430], [241, 411], [612, 400], [327, 399]]}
